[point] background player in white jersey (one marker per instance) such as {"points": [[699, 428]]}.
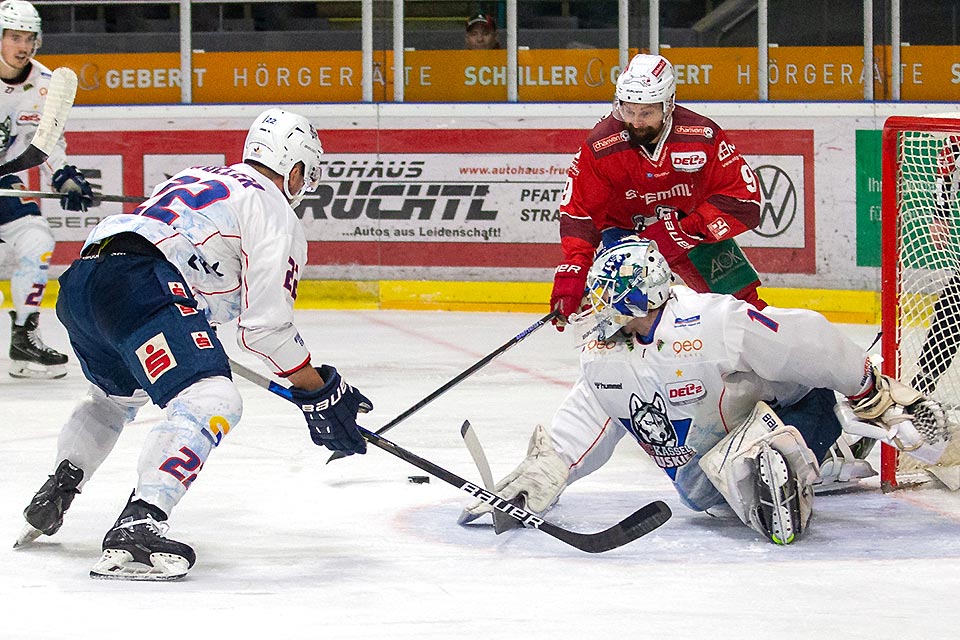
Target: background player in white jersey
{"points": [[704, 383], [25, 83], [210, 245]]}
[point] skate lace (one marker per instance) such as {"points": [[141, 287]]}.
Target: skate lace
{"points": [[157, 528], [34, 338]]}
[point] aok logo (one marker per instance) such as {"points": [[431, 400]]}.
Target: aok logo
{"points": [[685, 392], [779, 204], [687, 346]]}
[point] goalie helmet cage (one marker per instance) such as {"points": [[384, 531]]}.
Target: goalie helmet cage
{"points": [[920, 249]]}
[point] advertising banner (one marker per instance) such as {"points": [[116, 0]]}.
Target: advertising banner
{"points": [[414, 198], [929, 73]]}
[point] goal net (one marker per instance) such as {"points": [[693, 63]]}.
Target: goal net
{"points": [[920, 268]]}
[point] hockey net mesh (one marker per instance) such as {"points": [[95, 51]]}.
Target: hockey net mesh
{"points": [[926, 219]]}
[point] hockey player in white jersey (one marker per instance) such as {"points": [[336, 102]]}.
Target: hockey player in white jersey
{"points": [[25, 83], [736, 405], [210, 245]]}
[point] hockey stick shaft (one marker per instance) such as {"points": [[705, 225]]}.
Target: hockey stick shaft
{"points": [[460, 377], [637, 524], [53, 120], [97, 197]]}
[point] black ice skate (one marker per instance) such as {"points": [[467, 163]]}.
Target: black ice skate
{"points": [[136, 549], [778, 512], [29, 356], [44, 514]]}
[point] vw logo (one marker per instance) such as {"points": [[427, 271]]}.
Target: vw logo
{"points": [[778, 204]]}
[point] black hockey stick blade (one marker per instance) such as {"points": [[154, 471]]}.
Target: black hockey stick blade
{"points": [[501, 521], [637, 524], [31, 157], [460, 377]]}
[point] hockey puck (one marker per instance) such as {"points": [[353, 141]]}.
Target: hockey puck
{"points": [[419, 479]]}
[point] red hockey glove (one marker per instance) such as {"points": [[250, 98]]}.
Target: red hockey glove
{"points": [[672, 241], [569, 281]]}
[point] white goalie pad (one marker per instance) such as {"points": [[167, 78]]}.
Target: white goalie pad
{"points": [[731, 465]]}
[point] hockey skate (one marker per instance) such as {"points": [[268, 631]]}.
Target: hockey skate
{"points": [[29, 356], [136, 549], [778, 512], [44, 514]]}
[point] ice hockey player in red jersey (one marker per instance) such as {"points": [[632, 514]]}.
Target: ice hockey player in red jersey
{"points": [[666, 173]]}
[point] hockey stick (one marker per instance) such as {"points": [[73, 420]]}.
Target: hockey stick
{"points": [[97, 197], [53, 120], [501, 522], [460, 377], [637, 524]]}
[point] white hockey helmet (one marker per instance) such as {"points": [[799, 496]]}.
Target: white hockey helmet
{"points": [[280, 139], [648, 79], [627, 280], [21, 16]]}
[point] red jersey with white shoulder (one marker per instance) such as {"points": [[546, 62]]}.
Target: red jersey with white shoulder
{"points": [[695, 169]]}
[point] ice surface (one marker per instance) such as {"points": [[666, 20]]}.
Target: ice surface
{"points": [[289, 547]]}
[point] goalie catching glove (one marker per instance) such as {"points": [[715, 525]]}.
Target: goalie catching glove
{"points": [[537, 482], [75, 192], [331, 412], [901, 416]]}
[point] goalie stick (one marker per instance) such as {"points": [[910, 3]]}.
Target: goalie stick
{"points": [[460, 377], [53, 120], [501, 522], [637, 524]]}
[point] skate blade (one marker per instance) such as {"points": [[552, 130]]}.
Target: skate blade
{"points": [[116, 564], [28, 535], [31, 370]]}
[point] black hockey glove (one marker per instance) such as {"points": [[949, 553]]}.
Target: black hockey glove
{"points": [[331, 412], [75, 192]]}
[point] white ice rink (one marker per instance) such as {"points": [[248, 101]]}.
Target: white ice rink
{"points": [[288, 547]]}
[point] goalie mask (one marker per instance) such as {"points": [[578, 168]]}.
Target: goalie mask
{"points": [[626, 281], [279, 140], [18, 15]]}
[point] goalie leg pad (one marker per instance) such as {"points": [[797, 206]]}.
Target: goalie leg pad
{"points": [[733, 466]]}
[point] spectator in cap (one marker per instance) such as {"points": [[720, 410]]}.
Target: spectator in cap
{"points": [[482, 32]]}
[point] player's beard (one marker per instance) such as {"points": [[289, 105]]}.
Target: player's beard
{"points": [[643, 135]]}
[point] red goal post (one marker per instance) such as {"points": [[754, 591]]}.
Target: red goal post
{"points": [[920, 255]]}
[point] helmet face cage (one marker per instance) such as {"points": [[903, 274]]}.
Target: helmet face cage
{"points": [[19, 15], [627, 281], [647, 79], [279, 140]]}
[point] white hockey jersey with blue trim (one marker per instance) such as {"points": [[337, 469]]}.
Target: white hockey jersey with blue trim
{"points": [[240, 246], [20, 108], [706, 363]]}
